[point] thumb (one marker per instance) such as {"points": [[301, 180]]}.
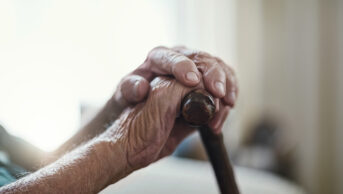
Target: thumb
{"points": [[133, 89]]}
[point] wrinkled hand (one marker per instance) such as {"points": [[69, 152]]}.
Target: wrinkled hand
{"points": [[187, 66], [151, 130]]}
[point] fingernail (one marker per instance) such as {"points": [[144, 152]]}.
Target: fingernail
{"points": [[216, 124], [231, 98], [220, 87], [192, 76], [136, 89], [216, 101]]}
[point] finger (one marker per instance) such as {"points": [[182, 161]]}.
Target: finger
{"points": [[231, 80], [231, 85], [214, 77], [217, 122], [165, 61], [216, 102], [191, 53], [134, 89]]}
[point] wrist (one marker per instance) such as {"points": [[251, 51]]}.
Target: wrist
{"points": [[112, 154]]}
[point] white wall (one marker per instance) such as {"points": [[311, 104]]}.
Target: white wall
{"points": [[287, 55], [301, 80], [55, 55]]}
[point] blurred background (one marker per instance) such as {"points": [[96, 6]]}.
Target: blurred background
{"points": [[58, 57]]}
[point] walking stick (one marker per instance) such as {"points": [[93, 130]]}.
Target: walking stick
{"points": [[197, 109]]}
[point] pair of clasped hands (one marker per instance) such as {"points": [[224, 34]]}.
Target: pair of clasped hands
{"points": [[149, 126], [138, 125]]}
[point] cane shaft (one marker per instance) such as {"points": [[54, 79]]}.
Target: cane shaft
{"points": [[218, 156]]}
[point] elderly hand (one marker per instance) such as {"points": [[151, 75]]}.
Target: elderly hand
{"points": [[151, 130], [188, 67], [145, 131]]}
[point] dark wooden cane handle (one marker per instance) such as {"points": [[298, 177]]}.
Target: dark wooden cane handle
{"points": [[198, 109]]}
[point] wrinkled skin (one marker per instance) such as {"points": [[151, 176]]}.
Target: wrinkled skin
{"points": [[152, 129], [178, 62], [144, 109], [138, 103], [149, 126]]}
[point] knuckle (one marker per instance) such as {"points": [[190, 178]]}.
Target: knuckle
{"points": [[228, 69], [159, 48], [155, 51], [182, 63], [213, 70], [201, 54], [177, 60], [176, 57], [179, 48], [221, 61], [226, 66]]}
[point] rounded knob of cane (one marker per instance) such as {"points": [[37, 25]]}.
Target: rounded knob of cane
{"points": [[198, 107]]}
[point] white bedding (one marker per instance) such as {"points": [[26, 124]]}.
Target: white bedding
{"points": [[184, 176]]}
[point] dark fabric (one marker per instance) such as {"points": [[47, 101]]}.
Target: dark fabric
{"points": [[5, 177], [10, 173], [20, 151], [11, 149]]}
